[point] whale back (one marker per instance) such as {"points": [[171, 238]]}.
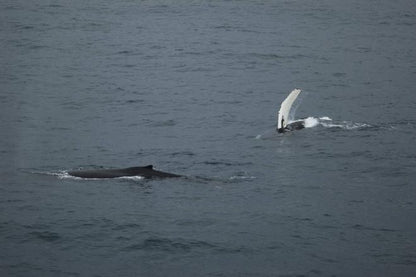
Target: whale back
{"points": [[138, 168], [144, 171]]}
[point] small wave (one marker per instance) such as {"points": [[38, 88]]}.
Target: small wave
{"points": [[242, 177], [45, 235], [169, 245]]}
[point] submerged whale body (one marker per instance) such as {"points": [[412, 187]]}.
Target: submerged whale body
{"points": [[142, 171], [283, 123], [296, 125]]}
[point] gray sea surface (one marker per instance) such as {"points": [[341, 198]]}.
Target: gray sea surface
{"points": [[193, 87]]}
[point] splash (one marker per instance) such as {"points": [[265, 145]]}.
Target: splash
{"points": [[327, 122], [346, 125], [323, 122], [64, 175], [311, 122]]}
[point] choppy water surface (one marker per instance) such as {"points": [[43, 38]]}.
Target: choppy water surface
{"points": [[193, 88]]}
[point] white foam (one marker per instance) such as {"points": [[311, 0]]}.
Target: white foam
{"points": [[331, 125], [133, 178], [311, 122], [347, 125], [65, 175], [327, 122], [325, 118]]}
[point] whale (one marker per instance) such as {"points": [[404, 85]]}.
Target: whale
{"points": [[146, 172], [295, 125], [283, 122]]}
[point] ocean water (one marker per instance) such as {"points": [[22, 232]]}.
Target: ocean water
{"points": [[193, 87]]}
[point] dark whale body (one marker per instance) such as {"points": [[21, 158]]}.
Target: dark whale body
{"points": [[143, 171], [297, 125]]}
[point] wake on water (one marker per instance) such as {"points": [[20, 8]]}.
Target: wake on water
{"points": [[328, 123], [324, 122]]}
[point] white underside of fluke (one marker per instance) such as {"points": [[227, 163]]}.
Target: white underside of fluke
{"points": [[283, 116]]}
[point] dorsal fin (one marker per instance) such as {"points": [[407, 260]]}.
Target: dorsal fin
{"points": [[150, 166]]}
